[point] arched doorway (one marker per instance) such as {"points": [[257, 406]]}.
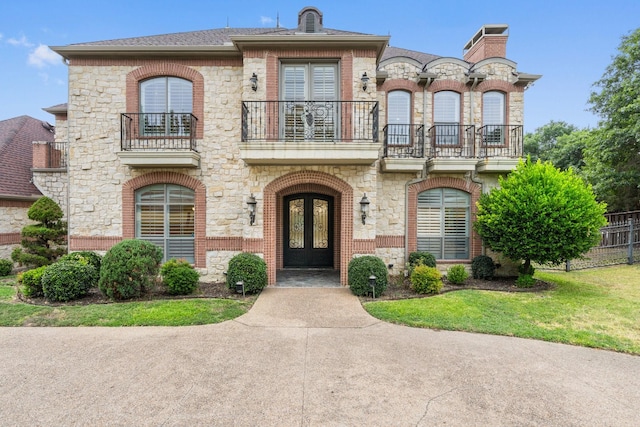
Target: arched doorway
{"points": [[308, 183]]}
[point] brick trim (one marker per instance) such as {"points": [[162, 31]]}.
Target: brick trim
{"points": [[442, 182], [383, 241], [10, 238], [364, 246], [93, 243], [7, 203], [308, 181], [398, 84], [499, 85], [453, 85], [128, 206], [160, 69]]}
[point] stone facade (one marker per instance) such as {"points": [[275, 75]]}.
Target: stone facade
{"points": [[100, 188]]}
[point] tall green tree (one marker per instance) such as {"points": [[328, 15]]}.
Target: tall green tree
{"points": [[43, 242], [612, 159], [539, 143], [540, 214]]}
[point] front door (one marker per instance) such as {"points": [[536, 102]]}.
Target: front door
{"points": [[308, 230]]}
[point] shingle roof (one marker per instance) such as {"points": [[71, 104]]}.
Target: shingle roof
{"points": [[396, 52], [213, 37], [16, 153]]}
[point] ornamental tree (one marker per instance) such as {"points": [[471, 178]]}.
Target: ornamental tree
{"points": [[42, 242], [540, 214]]}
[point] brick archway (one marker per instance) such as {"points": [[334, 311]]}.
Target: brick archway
{"points": [[129, 210], [307, 182], [441, 182]]}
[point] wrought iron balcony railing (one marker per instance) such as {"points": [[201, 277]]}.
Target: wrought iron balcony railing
{"points": [[158, 131], [56, 155], [312, 121], [500, 141], [451, 140], [404, 140]]}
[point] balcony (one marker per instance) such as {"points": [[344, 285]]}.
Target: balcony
{"points": [[451, 147], [309, 132], [158, 140], [403, 148]]}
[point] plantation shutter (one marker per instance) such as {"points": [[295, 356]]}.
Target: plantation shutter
{"points": [[398, 117], [493, 118], [165, 216], [443, 223], [446, 116]]}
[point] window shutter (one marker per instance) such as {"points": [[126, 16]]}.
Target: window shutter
{"points": [[153, 96], [398, 117], [443, 223], [493, 108], [293, 83], [446, 107], [323, 83], [180, 95]]}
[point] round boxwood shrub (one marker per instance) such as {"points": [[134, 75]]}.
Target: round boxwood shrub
{"points": [[457, 274], [86, 257], [483, 267], [5, 267], [421, 258], [179, 276], [426, 280], [249, 268], [360, 269], [129, 269], [67, 280], [32, 282]]}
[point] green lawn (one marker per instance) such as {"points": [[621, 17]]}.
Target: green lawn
{"points": [[196, 311], [594, 308]]}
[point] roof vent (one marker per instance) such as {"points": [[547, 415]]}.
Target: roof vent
{"points": [[310, 20]]}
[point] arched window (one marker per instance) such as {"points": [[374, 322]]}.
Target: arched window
{"points": [[446, 117], [398, 118], [165, 216], [493, 117], [166, 104], [444, 223]]}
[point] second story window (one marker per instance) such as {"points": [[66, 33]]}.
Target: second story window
{"points": [[446, 117], [493, 117], [309, 105], [398, 117], [166, 104]]}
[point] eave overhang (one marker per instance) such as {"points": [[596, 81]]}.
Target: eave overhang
{"points": [[314, 40], [87, 51]]}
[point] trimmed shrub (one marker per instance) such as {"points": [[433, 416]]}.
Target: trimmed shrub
{"points": [[525, 281], [6, 267], [32, 282], [179, 276], [426, 280], [421, 258], [457, 274], [522, 270], [361, 268], [249, 268], [67, 280], [483, 267], [129, 269], [87, 258]]}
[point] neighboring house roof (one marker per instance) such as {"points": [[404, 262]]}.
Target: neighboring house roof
{"points": [[16, 154]]}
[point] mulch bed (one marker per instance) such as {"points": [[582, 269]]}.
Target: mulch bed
{"points": [[399, 288], [396, 289]]}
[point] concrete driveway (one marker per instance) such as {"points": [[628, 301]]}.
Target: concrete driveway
{"points": [[307, 357]]}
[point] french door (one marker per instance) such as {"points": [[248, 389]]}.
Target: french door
{"points": [[309, 110], [308, 230]]}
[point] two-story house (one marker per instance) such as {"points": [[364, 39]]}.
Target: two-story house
{"points": [[307, 146]]}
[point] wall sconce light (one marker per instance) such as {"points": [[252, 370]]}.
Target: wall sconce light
{"points": [[365, 81], [254, 82], [364, 207], [252, 209]]}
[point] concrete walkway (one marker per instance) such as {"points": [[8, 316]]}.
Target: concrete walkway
{"points": [[307, 357]]}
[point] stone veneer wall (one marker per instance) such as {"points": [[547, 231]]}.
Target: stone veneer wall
{"points": [[13, 216]]}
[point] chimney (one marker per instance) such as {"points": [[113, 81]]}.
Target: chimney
{"points": [[489, 41]]}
